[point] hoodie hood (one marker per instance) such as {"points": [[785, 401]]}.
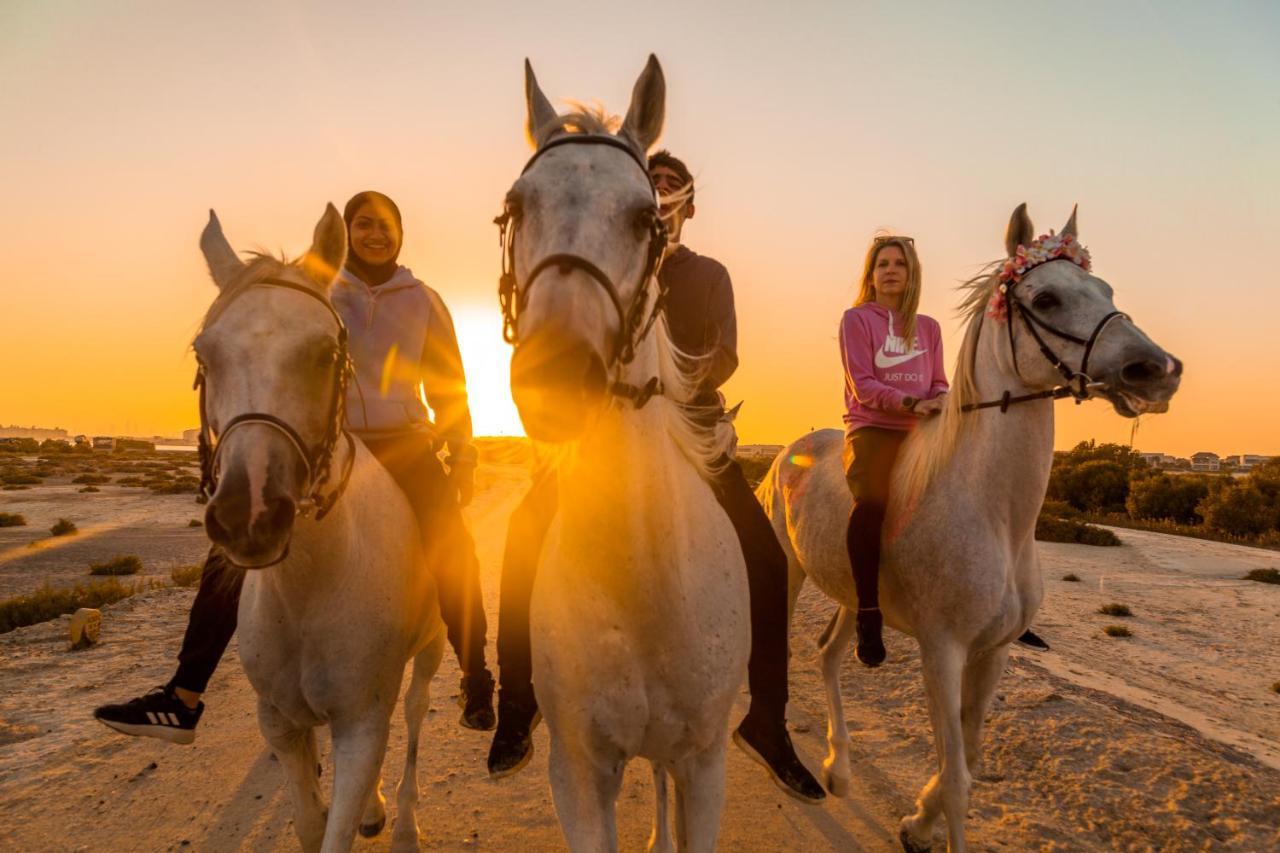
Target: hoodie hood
{"points": [[402, 277]]}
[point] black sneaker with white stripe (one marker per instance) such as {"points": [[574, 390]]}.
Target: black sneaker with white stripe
{"points": [[159, 714]]}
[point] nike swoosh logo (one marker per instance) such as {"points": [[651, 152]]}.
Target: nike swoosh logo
{"points": [[883, 360]]}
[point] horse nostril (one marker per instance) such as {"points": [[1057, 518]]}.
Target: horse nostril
{"points": [[1142, 372], [213, 526]]}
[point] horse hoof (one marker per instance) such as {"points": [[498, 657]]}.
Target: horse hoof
{"points": [[371, 830], [910, 845], [837, 785]]}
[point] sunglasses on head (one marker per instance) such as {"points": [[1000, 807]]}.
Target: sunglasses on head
{"points": [[892, 238]]}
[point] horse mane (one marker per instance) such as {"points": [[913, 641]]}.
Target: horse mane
{"points": [[260, 265], [586, 119], [681, 375], [933, 442]]}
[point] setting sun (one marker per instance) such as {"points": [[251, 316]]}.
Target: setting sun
{"points": [[487, 361]]}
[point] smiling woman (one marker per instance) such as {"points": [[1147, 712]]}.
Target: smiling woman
{"points": [[486, 360]]}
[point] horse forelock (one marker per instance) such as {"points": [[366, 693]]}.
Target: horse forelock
{"points": [[260, 266], [586, 120]]}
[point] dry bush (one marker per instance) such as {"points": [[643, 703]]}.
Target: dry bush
{"points": [[1263, 575], [186, 575], [1071, 577], [1115, 609], [1117, 631], [47, 603], [124, 565], [12, 519], [63, 527], [90, 489], [91, 479]]}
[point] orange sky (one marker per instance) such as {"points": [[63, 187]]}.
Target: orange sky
{"points": [[809, 128]]}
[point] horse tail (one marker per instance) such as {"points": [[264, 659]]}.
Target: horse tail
{"points": [[660, 839]]}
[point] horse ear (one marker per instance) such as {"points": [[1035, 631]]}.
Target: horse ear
{"points": [[1021, 232], [328, 248], [648, 106], [218, 254], [541, 113], [1069, 230]]}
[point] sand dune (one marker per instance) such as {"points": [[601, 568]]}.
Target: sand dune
{"points": [[1169, 740]]}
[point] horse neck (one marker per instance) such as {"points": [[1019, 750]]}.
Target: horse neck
{"points": [[1007, 456]]}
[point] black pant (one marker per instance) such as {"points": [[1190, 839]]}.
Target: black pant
{"points": [[766, 580], [869, 455], [450, 552]]}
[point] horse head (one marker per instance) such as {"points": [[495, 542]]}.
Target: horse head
{"points": [[582, 240], [1061, 323], [272, 356]]}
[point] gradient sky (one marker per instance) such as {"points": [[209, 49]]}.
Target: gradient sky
{"points": [[809, 126]]}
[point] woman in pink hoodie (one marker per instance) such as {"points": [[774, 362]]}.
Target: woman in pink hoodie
{"points": [[893, 377]]}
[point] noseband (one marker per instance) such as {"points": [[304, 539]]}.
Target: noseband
{"points": [[317, 460], [633, 322], [1078, 382]]}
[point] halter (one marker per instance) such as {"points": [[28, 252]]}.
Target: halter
{"points": [[317, 460], [1079, 384], [633, 323]]}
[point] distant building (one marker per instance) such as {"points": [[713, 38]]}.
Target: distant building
{"points": [[38, 433], [1153, 459], [190, 436], [759, 451], [1205, 461], [103, 442], [1249, 460]]}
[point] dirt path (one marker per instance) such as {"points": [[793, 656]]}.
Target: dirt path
{"points": [[1079, 755]]}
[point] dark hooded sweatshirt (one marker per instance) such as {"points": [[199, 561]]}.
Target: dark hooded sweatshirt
{"points": [[701, 316]]}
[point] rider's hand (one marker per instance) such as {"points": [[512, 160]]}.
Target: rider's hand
{"points": [[462, 473], [931, 407]]}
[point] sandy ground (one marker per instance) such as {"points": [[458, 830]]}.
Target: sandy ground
{"points": [[1169, 740]]}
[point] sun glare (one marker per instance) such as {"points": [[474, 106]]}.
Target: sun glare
{"points": [[486, 359]]}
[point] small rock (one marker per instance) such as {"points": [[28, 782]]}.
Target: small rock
{"points": [[85, 627]]}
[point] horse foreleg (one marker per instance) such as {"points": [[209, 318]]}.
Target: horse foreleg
{"points": [[835, 768], [948, 791], [660, 839], [981, 675], [585, 788], [700, 782], [295, 748], [416, 701], [358, 748]]}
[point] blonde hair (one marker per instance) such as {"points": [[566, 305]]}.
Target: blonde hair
{"points": [[910, 297]]}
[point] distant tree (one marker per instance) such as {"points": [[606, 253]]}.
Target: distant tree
{"points": [[1240, 509], [1165, 497], [1098, 485]]}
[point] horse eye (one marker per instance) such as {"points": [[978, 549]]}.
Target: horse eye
{"points": [[644, 222], [1045, 302]]}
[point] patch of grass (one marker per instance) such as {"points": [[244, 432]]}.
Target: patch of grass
{"points": [[1071, 577], [186, 575], [90, 489], [195, 522], [1115, 609], [16, 488], [131, 481], [91, 479], [124, 565], [1073, 532], [1263, 575], [47, 603], [1117, 631], [180, 486], [63, 527], [12, 519], [20, 480]]}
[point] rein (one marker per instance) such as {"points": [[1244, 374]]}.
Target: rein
{"points": [[634, 324], [1079, 384], [318, 460]]}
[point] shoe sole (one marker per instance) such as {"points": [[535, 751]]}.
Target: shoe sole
{"points": [[528, 756], [759, 759], [172, 735]]}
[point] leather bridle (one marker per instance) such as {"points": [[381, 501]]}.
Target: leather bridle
{"points": [[1078, 382], [634, 323], [317, 460]]}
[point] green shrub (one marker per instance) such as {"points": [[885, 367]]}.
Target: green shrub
{"points": [[90, 489], [1115, 609], [1263, 575], [63, 527], [12, 519], [1073, 532], [186, 575], [127, 565], [47, 603], [1238, 509], [1059, 509], [1165, 497], [91, 479], [1117, 631], [1071, 577]]}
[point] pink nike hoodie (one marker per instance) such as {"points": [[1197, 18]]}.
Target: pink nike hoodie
{"points": [[880, 369]]}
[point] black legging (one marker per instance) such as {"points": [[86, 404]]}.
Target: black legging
{"points": [[869, 454], [766, 580], [451, 553]]}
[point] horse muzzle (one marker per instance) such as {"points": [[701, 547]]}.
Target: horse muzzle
{"points": [[251, 523], [558, 382], [1144, 383]]}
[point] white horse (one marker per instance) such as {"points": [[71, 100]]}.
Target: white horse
{"points": [[326, 630], [959, 569], [639, 617]]}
